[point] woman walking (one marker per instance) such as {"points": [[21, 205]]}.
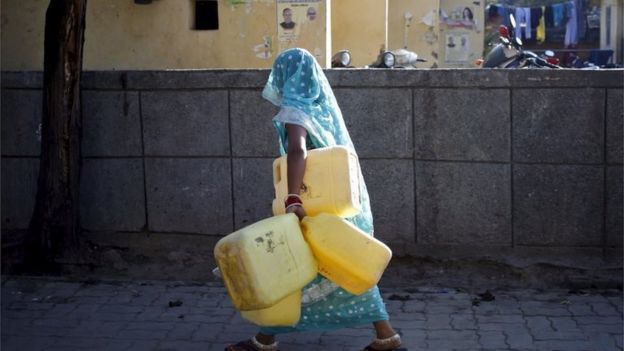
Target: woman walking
{"points": [[310, 118]]}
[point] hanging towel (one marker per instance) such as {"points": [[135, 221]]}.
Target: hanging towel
{"points": [[558, 14], [571, 34], [536, 14], [523, 21], [493, 11], [504, 11], [548, 16], [540, 33], [580, 18]]}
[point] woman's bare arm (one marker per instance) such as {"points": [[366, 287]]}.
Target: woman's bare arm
{"points": [[296, 162]]}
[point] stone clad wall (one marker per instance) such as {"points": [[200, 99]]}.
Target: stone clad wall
{"points": [[515, 163]]}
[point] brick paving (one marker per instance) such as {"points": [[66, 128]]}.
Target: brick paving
{"points": [[59, 315]]}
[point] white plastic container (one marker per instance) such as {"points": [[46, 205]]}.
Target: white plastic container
{"points": [[285, 313], [331, 182], [264, 262], [344, 253]]}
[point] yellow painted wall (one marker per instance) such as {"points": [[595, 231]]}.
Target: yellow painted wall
{"points": [[421, 38], [617, 27], [360, 27], [427, 32], [123, 35], [21, 34]]}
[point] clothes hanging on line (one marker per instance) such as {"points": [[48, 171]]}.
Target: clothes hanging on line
{"points": [[558, 12], [540, 33], [532, 22], [571, 34], [523, 21]]}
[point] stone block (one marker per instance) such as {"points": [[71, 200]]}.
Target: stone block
{"points": [[22, 79], [464, 124], [106, 80], [253, 133], [197, 79], [19, 190], [564, 78], [111, 124], [189, 195], [390, 186], [615, 117], [21, 116], [253, 190], [186, 123], [465, 78], [558, 205], [385, 114], [614, 206], [112, 195], [463, 203], [558, 125]]}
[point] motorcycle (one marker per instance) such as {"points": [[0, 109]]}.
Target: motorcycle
{"points": [[508, 53], [341, 59], [400, 58]]}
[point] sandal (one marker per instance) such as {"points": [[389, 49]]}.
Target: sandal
{"points": [[252, 345], [392, 343]]}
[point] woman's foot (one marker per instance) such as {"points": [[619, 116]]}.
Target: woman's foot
{"points": [[259, 342], [391, 343]]}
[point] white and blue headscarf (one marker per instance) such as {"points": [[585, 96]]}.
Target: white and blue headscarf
{"points": [[297, 84]]}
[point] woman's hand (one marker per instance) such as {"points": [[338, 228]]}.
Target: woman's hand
{"points": [[298, 210]]}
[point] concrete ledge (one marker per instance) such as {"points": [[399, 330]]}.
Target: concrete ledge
{"points": [[349, 77]]}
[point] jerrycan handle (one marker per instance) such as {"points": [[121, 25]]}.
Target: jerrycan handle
{"points": [[277, 171]]}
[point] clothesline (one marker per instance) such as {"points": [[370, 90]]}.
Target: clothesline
{"points": [[568, 13], [513, 7]]}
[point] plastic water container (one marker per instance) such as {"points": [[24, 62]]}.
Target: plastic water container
{"points": [[345, 254], [264, 262], [331, 182], [285, 313]]}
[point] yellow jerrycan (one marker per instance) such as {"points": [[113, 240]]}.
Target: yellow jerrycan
{"points": [[345, 254], [331, 182], [285, 313], [264, 262]]}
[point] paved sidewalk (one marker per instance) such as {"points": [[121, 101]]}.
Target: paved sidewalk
{"points": [[56, 315]]}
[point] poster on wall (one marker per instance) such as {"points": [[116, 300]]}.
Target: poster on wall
{"points": [[298, 25], [461, 32], [457, 47], [459, 17]]}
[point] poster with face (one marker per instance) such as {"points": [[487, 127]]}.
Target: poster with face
{"points": [[461, 32], [457, 47], [459, 17], [299, 24]]}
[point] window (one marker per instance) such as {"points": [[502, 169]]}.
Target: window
{"points": [[206, 15]]}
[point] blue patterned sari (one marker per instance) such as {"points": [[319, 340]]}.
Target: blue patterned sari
{"points": [[298, 85]]}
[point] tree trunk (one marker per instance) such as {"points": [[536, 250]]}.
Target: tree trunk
{"points": [[54, 227]]}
